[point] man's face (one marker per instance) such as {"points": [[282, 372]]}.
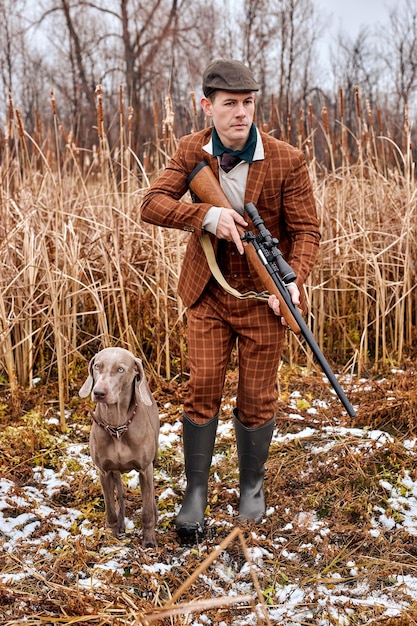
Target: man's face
{"points": [[232, 115]]}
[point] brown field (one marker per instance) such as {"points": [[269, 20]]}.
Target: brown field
{"points": [[80, 271], [324, 536]]}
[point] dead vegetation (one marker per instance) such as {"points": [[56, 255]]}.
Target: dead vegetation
{"points": [[79, 271], [326, 487]]}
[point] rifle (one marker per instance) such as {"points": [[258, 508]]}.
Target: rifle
{"points": [[267, 261]]}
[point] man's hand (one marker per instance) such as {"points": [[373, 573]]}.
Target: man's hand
{"points": [[274, 302], [226, 227]]}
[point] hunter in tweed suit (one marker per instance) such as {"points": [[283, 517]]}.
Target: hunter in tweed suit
{"points": [[274, 176]]}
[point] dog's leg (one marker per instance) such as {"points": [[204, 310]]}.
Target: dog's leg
{"points": [[120, 501], [111, 483], [149, 512]]}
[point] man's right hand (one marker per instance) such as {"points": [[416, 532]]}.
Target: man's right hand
{"points": [[226, 227]]}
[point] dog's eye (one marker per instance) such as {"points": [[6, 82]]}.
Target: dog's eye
{"points": [[121, 369], [96, 366]]}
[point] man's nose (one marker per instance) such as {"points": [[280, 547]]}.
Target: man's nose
{"points": [[241, 111]]}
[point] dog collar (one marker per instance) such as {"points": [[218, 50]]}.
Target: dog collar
{"points": [[115, 431]]}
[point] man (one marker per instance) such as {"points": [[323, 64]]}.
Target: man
{"points": [[274, 176]]}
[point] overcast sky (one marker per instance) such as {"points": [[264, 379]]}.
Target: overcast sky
{"points": [[351, 15], [348, 17]]}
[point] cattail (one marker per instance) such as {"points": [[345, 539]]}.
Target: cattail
{"points": [[20, 124], [130, 119], [369, 113], [357, 101], [53, 102], [325, 120], [11, 107], [310, 115], [341, 103], [100, 115]]}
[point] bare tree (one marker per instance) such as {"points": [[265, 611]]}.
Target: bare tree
{"points": [[400, 52], [22, 68], [355, 66], [115, 42], [280, 38], [71, 36], [257, 32], [159, 48]]}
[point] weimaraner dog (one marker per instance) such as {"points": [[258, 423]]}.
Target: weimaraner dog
{"points": [[124, 434]]}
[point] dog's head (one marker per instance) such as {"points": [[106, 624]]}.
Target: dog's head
{"points": [[113, 372]]}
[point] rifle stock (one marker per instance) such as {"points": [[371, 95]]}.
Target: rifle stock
{"points": [[206, 187]]}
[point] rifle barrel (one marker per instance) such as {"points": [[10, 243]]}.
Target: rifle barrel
{"points": [[307, 334]]}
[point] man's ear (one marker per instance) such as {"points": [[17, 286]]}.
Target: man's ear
{"points": [[206, 105]]}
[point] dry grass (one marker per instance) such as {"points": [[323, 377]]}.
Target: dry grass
{"points": [[79, 269], [323, 488]]}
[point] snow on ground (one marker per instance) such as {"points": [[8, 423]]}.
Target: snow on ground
{"points": [[331, 602]]}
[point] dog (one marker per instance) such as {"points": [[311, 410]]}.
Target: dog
{"points": [[124, 434]]}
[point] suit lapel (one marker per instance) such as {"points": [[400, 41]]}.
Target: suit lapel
{"points": [[256, 178]]}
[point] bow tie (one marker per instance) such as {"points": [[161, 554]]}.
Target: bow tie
{"points": [[228, 161]]}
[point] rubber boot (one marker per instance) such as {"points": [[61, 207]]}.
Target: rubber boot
{"points": [[252, 450], [198, 441]]}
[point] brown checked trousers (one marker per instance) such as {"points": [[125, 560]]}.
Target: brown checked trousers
{"points": [[214, 324], [280, 188]]}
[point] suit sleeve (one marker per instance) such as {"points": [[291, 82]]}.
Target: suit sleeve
{"points": [[300, 216], [164, 205]]}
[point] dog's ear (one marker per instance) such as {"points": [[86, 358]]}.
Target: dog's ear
{"points": [[87, 387], [141, 385]]}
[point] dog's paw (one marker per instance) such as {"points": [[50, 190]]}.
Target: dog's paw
{"points": [[149, 541]]}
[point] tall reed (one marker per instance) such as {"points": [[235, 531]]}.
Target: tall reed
{"points": [[79, 270], [367, 260]]}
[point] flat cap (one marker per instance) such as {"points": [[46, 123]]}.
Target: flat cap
{"points": [[228, 75]]}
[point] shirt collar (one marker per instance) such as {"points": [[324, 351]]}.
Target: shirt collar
{"points": [[246, 154], [258, 155]]}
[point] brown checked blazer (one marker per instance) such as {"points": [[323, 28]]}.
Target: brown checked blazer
{"points": [[280, 188]]}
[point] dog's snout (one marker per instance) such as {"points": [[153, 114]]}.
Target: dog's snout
{"points": [[99, 395]]}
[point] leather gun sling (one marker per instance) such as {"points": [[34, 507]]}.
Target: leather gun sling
{"points": [[215, 270]]}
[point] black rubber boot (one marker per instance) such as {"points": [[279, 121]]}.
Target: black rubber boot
{"points": [[252, 450], [198, 441]]}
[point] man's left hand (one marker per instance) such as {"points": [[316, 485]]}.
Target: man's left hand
{"points": [[274, 302]]}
